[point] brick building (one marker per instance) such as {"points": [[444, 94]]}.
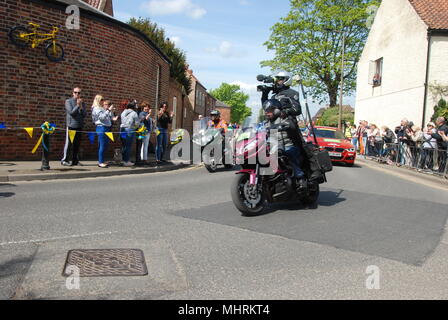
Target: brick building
{"points": [[203, 103], [105, 56], [224, 109]]}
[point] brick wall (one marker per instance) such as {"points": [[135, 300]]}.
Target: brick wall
{"points": [[103, 57]]}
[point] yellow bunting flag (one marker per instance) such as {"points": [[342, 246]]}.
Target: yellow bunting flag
{"points": [[158, 132], [37, 145], [110, 135], [71, 135], [30, 131]]}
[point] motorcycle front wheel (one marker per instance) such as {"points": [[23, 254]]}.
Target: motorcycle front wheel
{"points": [[249, 200], [210, 163]]}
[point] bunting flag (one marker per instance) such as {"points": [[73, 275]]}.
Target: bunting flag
{"points": [[123, 135], [2, 125], [37, 144], [91, 137], [30, 131], [71, 135], [110, 135], [158, 131]]}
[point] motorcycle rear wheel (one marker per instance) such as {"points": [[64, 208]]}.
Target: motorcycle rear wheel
{"points": [[240, 192], [312, 197]]}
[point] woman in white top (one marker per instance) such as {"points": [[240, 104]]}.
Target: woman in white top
{"points": [[428, 147], [373, 135], [102, 117]]}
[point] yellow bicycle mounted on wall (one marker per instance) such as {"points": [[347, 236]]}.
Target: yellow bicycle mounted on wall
{"points": [[22, 37]]}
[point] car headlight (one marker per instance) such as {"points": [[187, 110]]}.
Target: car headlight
{"points": [[351, 150]]}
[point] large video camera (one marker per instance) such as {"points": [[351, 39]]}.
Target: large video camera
{"points": [[266, 80]]}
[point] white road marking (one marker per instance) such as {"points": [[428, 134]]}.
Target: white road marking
{"points": [[57, 238]]}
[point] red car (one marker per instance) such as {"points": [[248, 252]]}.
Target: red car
{"points": [[339, 148]]}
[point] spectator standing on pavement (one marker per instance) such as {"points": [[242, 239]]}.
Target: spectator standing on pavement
{"points": [[359, 134], [129, 123], [373, 135], [353, 131], [102, 117], [416, 136], [145, 118], [442, 145], [75, 109], [348, 131], [365, 137], [389, 140], [429, 146], [163, 120], [403, 140]]}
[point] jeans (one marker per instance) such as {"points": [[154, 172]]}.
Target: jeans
{"points": [[162, 142], [355, 142], [127, 137], [144, 149], [103, 142], [366, 147], [293, 154]]}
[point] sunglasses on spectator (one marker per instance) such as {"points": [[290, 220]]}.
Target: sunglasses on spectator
{"points": [[77, 92]]}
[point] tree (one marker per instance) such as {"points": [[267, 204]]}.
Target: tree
{"points": [[232, 95], [330, 117], [177, 56], [304, 43], [440, 110]]}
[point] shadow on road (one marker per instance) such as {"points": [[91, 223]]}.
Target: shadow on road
{"points": [[6, 194], [326, 199]]}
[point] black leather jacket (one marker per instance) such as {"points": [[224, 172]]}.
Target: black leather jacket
{"points": [[289, 99]]}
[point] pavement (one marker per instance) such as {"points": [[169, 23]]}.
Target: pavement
{"points": [[12, 171]]}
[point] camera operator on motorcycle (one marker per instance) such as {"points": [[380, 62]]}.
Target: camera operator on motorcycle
{"points": [[288, 140], [290, 109]]}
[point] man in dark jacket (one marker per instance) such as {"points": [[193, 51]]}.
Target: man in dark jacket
{"points": [[287, 137], [442, 145], [75, 109]]}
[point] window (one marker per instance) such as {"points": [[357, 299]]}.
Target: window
{"points": [[376, 72]]}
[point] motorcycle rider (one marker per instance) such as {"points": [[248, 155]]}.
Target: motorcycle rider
{"points": [[287, 137], [217, 122], [291, 108]]}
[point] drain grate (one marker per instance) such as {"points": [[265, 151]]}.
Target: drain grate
{"points": [[106, 262]]}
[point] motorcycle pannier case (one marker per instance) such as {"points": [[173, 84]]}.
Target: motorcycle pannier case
{"points": [[324, 161]]}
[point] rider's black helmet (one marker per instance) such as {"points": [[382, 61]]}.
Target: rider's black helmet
{"points": [[272, 105]]}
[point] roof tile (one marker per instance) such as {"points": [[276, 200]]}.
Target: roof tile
{"points": [[433, 12]]}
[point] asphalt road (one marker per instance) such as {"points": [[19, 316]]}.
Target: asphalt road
{"points": [[198, 246]]}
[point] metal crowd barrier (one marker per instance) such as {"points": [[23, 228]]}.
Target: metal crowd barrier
{"points": [[427, 160]]}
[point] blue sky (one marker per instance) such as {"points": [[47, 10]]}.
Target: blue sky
{"points": [[223, 40]]}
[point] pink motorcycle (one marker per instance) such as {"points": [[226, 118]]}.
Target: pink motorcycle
{"points": [[252, 190]]}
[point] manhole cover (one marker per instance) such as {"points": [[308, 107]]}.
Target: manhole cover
{"points": [[106, 262]]}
